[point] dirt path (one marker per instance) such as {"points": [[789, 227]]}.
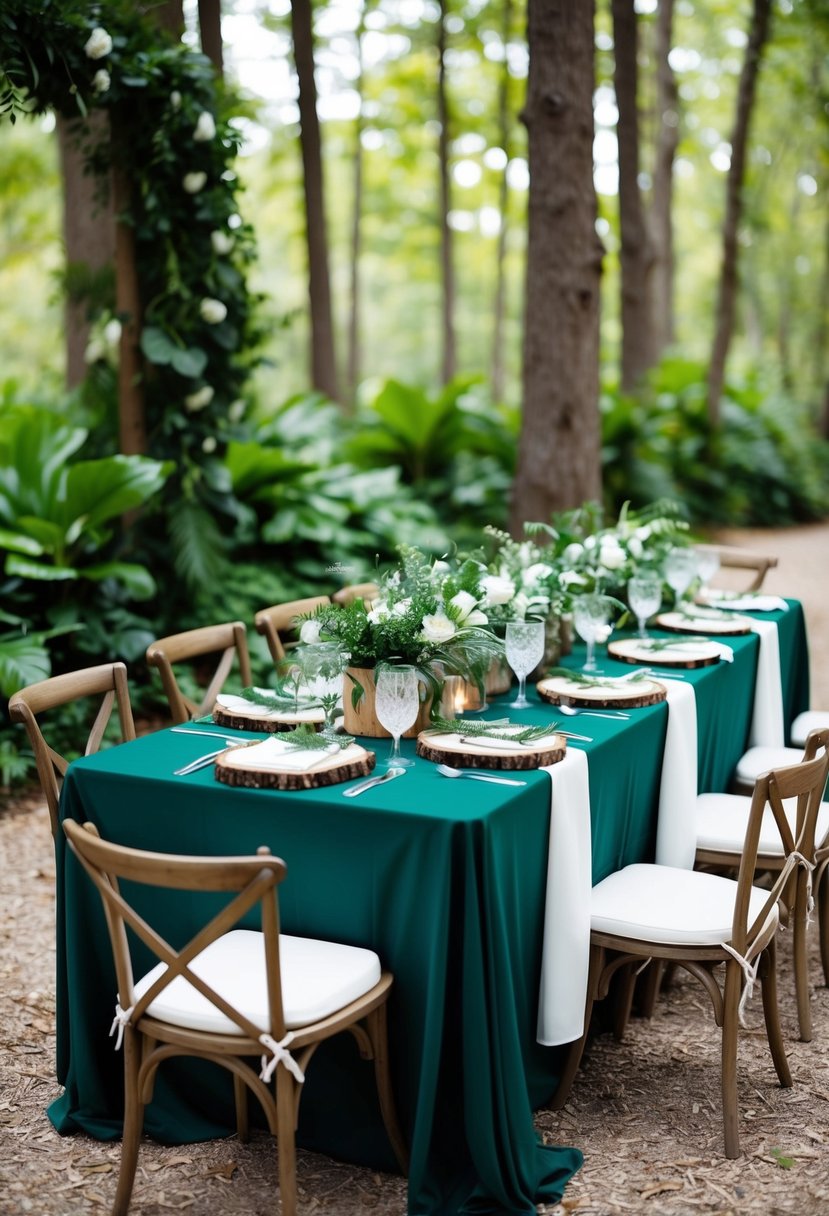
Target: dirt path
{"points": [[645, 1112]]}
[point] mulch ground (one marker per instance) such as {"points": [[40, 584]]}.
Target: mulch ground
{"points": [[646, 1112]]}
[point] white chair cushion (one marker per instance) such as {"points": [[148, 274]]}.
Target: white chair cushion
{"points": [[318, 978], [669, 905], [721, 821], [758, 760], [812, 719]]}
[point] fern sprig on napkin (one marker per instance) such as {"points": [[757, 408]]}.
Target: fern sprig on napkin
{"points": [[578, 677], [487, 730], [305, 738], [283, 696]]}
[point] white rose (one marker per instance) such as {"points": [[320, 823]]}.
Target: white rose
{"points": [[98, 44], [209, 444], [194, 182], [236, 410], [611, 555], [573, 552], [205, 128], [438, 628], [222, 242], [379, 612], [464, 602], [535, 573], [101, 80], [198, 400], [402, 607], [309, 632], [175, 99], [590, 542], [498, 589], [569, 578], [476, 618], [112, 332], [635, 547], [520, 605], [212, 311], [643, 533]]}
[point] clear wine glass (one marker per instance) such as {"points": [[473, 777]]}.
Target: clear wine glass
{"points": [[680, 571], [644, 598], [322, 667], [524, 651], [591, 619], [396, 703], [708, 563]]}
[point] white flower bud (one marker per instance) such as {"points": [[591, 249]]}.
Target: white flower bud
{"points": [[208, 444], [194, 182], [98, 44], [205, 128], [112, 332], [101, 80], [175, 99], [212, 311], [222, 242], [199, 399], [236, 410]]}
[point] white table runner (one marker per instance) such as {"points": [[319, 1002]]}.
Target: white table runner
{"points": [[676, 827], [767, 729]]}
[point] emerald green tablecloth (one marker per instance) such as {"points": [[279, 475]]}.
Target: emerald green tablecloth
{"points": [[445, 880]]}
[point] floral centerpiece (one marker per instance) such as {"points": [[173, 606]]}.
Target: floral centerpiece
{"points": [[427, 614]]}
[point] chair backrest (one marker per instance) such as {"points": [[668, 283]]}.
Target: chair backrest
{"points": [[108, 681], [280, 619], [230, 639], [251, 880], [367, 592], [758, 564], [805, 782]]}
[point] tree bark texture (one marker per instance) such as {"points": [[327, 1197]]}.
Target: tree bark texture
{"points": [[499, 304], [559, 462], [727, 294], [356, 227], [132, 422], [449, 362], [210, 32], [88, 236], [323, 360], [169, 15], [635, 255], [661, 234]]}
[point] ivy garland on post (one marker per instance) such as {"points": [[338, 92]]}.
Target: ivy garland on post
{"points": [[171, 145]]}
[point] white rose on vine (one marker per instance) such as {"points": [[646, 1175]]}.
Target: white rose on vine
{"points": [[98, 44], [101, 80], [199, 399], [194, 182], [212, 311], [438, 628], [498, 589], [222, 242], [205, 128]]}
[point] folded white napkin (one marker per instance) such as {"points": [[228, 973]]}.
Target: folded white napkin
{"points": [[676, 839], [238, 705], [767, 729], [750, 603], [688, 650], [279, 755], [565, 955]]}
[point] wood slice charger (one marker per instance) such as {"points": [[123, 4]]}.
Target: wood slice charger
{"points": [[681, 654], [726, 623], [274, 721], [558, 690], [238, 767], [448, 749]]}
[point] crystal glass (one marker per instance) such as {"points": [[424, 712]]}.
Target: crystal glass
{"points": [[524, 651], [680, 571], [322, 666], [644, 598], [591, 619], [396, 703], [708, 563]]}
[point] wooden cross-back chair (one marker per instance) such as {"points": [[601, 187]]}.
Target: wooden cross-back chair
{"points": [[700, 921], [230, 639], [721, 827], [276, 622], [230, 994], [107, 681], [757, 565], [356, 591]]}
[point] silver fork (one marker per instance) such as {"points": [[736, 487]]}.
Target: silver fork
{"points": [[199, 762], [446, 771]]}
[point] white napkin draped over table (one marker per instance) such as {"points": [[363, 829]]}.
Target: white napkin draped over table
{"points": [[767, 729], [251, 709], [565, 953], [750, 603], [277, 754], [676, 840]]}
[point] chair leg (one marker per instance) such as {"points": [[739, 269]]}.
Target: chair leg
{"points": [[240, 1098], [286, 1142], [376, 1026], [823, 919], [623, 1000], [576, 1049], [771, 1013], [730, 1026], [801, 961], [133, 1123], [650, 987]]}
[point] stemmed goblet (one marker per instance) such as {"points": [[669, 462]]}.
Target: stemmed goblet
{"points": [[591, 617], [680, 571], [644, 598], [708, 563], [322, 666], [396, 703], [524, 651]]}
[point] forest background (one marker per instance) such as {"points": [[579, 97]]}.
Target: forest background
{"points": [[334, 448]]}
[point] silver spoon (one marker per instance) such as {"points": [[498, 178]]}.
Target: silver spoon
{"points": [[389, 775], [571, 711], [446, 771]]}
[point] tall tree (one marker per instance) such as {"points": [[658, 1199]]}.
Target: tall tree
{"points": [[210, 32], [499, 304], [660, 283], [635, 255], [559, 462], [323, 359], [356, 220], [449, 361], [727, 293]]}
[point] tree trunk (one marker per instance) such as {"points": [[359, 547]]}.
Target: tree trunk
{"points": [[169, 15], [88, 236], [210, 31], [636, 343], [661, 236], [323, 360], [821, 335], [446, 259], [132, 423], [356, 226], [559, 462], [499, 303], [726, 301]]}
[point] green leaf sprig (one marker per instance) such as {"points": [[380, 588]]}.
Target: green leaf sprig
{"points": [[487, 730], [578, 677], [280, 697], [305, 738]]}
